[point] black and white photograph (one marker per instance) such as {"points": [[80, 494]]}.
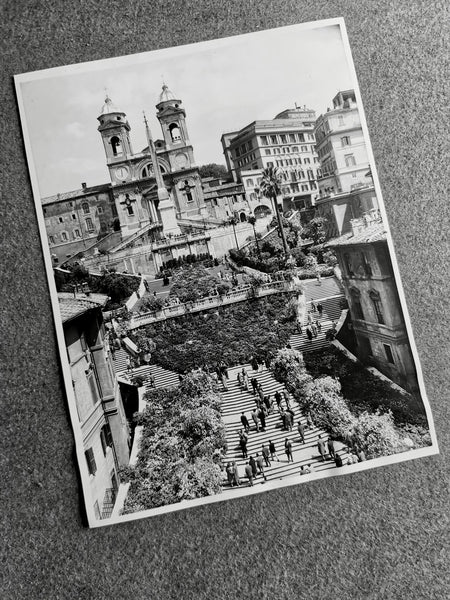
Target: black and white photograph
{"points": [[227, 302]]}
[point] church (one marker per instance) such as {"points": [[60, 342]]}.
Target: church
{"points": [[154, 203]]}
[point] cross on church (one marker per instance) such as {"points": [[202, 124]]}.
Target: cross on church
{"points": [[128, 202], [187, 190]]}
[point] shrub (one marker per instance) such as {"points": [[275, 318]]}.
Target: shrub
{"points": [[195, 282], [376, 434], [182, 442], [328, 408]]}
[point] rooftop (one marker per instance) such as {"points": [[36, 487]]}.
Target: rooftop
{"points": [[72, 306], [365, 230], [63, 196]]}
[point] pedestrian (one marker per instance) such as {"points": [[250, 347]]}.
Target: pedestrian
{"points": [[299, 327], [361, 456], [267, 361], [318, 279], [319, 309], [267, 403], [309, 319], [286, 399], [252, 463], [319, 325], [260, 465], [278, 398], [288, 420], [245, 423], [151, 380], [309, 333], [322, 449], [262, 418], [255, 419], [313, 306], [266, 454], [236, 478], [128, 363], [245, 379], [243, 445], [288, 450], [254, 363], [230, 474], [239, 379], [314, 330], [260, 392], [273, 451], [261, 363], [338, 460], [254, 383], [301, 431], [309, 421], [249, 474], [331, 449], [224, 382]]}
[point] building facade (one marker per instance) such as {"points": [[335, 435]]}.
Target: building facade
{"points": [[375, 308], [344, 163], [75, 220], [98, 400], [288, 142]]}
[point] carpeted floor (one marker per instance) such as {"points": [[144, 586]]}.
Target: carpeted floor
{"points": [[379, 534]]}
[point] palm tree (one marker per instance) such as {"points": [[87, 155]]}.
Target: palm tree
{"points": [[233, 221], [270, 187], [252, 221]]}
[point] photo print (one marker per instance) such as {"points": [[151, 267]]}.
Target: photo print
{"points": [[227, 303]]}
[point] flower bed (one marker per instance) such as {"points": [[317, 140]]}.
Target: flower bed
{"points": [[180, 451], [232, 333]]}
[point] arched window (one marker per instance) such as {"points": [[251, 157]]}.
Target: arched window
{"points": [[116, 146], [64, 236], [356, 303], [377, 306], [243, 217], [147, 171], [85, 207], [175, 132], [89, 224]]}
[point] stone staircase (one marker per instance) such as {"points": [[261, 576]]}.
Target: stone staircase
{"points": [[331, 312], [235, 401], [163, 378]]}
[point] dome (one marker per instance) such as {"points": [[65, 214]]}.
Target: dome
{"points": [[109, 107], [166, 94]]}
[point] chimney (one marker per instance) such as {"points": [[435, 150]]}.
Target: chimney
{"points": [[84, 186]]}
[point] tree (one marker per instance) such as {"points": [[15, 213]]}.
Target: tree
{"points": [[315, 230], [376, 434], [252, 221], [214, 170], [270, 187], [233, 222]]}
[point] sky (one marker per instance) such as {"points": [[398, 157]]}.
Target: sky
{"points": [[223, 85]]}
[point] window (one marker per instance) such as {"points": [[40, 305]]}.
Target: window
{"points": [[283, 138], [249, 182], [304, 148], [354, 174], [307, 161], [273, 139], [268, 152], [356, 302], [348, 262], [340, 120], [345, 141], [263, 139], [304, 187], [130, 210], [89, 224], [116, 146], [292, 137], [76, 233], [106, 437], [350, 160], [64, 236], [85, 207], [294, 148], [51, 239], [377, 306], [92, 466], [74, 217], [269, 163], [389, 355], [175, 132], [100, 210], [61, 220], [294, 187]]}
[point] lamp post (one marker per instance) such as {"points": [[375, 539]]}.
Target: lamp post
{"points": [[232, 221]]}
